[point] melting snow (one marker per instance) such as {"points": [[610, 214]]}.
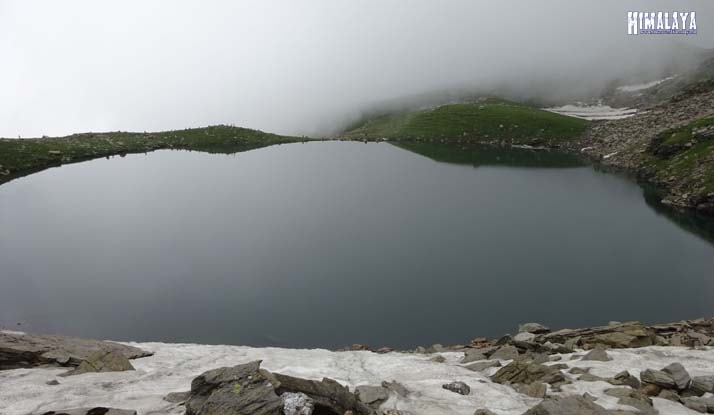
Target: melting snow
{"points": [[173, 366], [594, 112], [640, 87]]}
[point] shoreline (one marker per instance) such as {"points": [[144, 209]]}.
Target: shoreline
{"points": [[484, 365]]}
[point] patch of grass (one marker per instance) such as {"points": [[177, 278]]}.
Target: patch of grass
{"points": [[22, 156], [486, 121], [680, 154]]}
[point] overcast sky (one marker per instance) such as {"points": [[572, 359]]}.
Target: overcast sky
{"points": [[300, 66]]}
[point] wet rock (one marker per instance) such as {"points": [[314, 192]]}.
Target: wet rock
{"points": [[527, 373], [680, 375], [598, 354], [505, 353], [100, 362], [568, 405], [19, 350], [657, 377], [481, 366], [535, 328], [396, 387], [457, 387], [372, 395], [97, 410]]}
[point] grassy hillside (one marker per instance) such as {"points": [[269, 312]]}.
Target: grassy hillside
{"points": [[19, 157], [685, 155], [486, 121]]}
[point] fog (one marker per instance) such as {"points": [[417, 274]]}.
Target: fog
{"points": [[307, 67]]}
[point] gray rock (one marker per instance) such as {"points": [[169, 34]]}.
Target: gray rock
{"points": [[524, 336], [372, 395], [177, 397], [568, 405], [632, 397], [625, 378], [598, 354], [702, 384], [438, 359], [481, 366], [506, 353], [457, 387], [473, 355], [242, 389], [703, 405], [396, 387], [328, 394], [669, 395], [527, 373], [589, 377], [31, 350], [679, 375], [483, 412], [91, 411], [100, 362], [658, 378], [53, 382], [297, 404], [535, 328], [534, 390]]}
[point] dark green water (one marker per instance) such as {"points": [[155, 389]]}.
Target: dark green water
{"points": [[329, 244]]}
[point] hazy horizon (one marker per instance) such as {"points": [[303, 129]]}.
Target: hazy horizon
{"points": [[305, 67]]}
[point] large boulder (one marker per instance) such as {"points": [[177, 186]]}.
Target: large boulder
{"points": [[242, 389], [329, 396], [679, 374], [657, 377], [568, 405], [102, 361], [527, 372], [22, 350]]}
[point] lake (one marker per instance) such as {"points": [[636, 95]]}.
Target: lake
{"points": [[327, 244]]}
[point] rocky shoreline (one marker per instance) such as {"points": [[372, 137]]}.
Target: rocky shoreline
{"points": [[617, 369]]}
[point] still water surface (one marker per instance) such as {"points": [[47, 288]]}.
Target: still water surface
{"points": [[329, 244]]}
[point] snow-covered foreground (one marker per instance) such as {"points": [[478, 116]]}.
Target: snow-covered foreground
{"points": [[594, 112], [173, 366]]}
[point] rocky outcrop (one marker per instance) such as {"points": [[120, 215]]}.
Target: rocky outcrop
{"points": [[102, 361], [526, 372], [251, 390], [20, 350], [569, 405]]}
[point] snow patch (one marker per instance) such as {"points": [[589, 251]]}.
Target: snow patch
{"points": [[173, 366], [593, 112], [646, 85]]}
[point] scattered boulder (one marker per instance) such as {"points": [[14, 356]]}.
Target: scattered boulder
{"points": [[481, 366], [438, 359], [473, 355], [703, 405], [101, 361], [568, 405], [457, 387], [21, 350], [631, 397], [505, 353], [527, 373], [98, 410], [589, 377], [483, 412], [598, 354], [658, 378], [524, 336], [625, 378], [53, 382], [372, 395], [328, 395], [669, 395], [680, 375], [535, 328]]}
